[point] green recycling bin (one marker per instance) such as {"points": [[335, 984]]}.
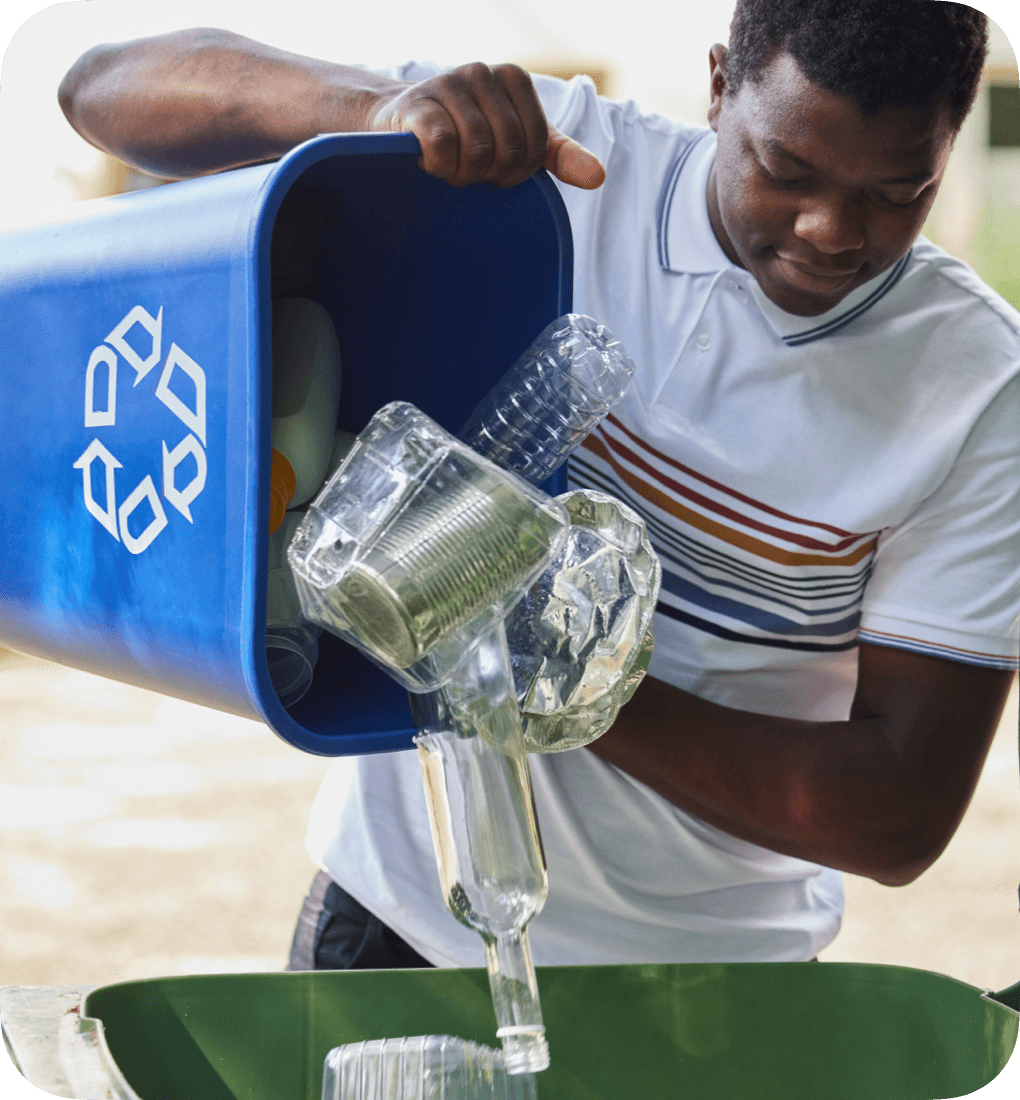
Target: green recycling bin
{"points": [[771, 1031]]}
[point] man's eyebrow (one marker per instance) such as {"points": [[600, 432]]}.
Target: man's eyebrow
{"points": [[923, 175], [779, 150]]}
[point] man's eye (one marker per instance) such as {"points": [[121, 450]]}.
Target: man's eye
{"points": [[898, 205], [780, 181]]}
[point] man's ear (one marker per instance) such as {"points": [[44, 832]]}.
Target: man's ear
{"points": [[717, 82]]}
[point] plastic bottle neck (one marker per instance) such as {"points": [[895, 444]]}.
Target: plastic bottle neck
{"points": [[515, 999]]}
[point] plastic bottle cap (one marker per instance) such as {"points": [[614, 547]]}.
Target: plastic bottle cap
{"points": [[282, 483]]}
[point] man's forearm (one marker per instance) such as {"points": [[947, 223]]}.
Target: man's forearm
{"points": [[879, 795], [780, 783], [199, 101]]}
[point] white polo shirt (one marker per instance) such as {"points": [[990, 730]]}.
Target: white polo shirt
{"points": [[807, 482]]}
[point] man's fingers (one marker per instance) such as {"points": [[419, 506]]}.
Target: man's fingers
{"points": [[529, 126], [480, 124], [457, 140], [571, 163], [494, 145]]}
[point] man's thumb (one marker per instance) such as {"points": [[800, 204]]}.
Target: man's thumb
{"points": [[570, 162]]}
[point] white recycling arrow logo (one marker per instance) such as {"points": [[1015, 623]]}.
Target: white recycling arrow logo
{"points": [[182, 498], [154, 325], [108, 516], [101, 389]]}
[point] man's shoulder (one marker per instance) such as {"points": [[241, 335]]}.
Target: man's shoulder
{"points": [[945, 282]]}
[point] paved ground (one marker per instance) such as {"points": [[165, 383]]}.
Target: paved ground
{"points": [[141, 836]]}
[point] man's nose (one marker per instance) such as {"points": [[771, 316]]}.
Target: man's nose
{"points": [[831, 224]]}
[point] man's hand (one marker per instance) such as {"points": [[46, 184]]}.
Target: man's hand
{"points": [[477, 124]]}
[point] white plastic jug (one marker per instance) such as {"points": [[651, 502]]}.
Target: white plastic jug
{"points": [[306, 400]]}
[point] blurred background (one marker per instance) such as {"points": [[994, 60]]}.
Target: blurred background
{"points": [[143, 836]]}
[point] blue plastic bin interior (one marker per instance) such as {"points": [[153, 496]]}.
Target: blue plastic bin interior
{"points": [[135, 370]]}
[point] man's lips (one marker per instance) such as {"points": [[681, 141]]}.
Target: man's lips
{"points": [[826, 280]]}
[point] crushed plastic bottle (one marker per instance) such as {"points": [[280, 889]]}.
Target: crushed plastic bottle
{"points": [[581, 638], [423, 1067]]}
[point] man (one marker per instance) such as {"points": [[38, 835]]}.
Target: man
{"points": [[820, 436]]}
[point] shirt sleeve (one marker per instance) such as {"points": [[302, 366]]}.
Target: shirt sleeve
{"points": [[946, 581]]}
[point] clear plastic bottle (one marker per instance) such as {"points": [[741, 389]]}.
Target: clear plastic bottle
{"points": [[421, 1067], [491, 865], [551, 398]]}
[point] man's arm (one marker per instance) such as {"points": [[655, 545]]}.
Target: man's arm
{"points": [[880, 795], [200, 101]]}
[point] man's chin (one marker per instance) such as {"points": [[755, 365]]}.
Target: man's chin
{"points": [[802, 293], [801, 302]]}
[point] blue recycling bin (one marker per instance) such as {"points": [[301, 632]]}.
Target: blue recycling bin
{"points": [[135, 385]]}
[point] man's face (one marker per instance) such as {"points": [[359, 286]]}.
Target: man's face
{"points": [[810, 197]]}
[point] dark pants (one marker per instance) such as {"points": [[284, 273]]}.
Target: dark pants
{"points": [[335, 932]]}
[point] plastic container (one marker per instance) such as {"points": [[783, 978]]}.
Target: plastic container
{"points": [[772, 1031], [135, 382]]}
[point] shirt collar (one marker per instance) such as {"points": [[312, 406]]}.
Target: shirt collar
{"points": [[687, 240], [687, 244]]}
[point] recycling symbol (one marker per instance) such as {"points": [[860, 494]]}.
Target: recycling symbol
{"points": [[101, 389]]}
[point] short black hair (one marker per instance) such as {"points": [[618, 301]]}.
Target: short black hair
{"points": [[880, 53]]}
